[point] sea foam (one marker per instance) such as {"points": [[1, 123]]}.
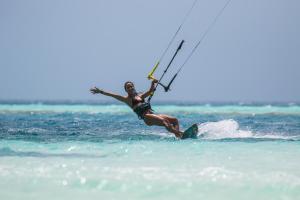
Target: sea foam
{"points": [[222, 129]]}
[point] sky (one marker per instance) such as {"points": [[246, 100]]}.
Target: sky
{"points": [[58, 49]]}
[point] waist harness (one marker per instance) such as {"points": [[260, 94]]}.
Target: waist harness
{"points": [[141, 109]]}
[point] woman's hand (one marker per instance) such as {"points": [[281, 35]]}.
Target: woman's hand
{"points": [[96, 90], [154, 81]]}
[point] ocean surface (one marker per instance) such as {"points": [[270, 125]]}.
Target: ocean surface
{"points": [[102, 151]]}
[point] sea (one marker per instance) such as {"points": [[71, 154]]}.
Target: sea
{"points": [[69, 150]]}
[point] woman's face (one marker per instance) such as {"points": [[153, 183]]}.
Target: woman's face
{"points": [[130, 88]]}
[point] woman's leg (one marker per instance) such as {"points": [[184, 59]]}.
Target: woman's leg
{"points": [[172, 120], [153, 119]]}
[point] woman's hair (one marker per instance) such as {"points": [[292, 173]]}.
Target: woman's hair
{"points": [[126, 84]]}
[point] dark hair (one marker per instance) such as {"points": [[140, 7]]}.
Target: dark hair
{"points": [[126, 84]]}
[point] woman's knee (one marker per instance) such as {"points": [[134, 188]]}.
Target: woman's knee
{"points": [[175, 120]]}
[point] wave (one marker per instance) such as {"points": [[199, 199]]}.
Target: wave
{"points": [[123, 109]]}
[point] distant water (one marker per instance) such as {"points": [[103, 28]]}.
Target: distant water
{"points": [[81, 151]]}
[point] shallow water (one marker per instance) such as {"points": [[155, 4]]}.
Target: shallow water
{"points": [[103, 151]]}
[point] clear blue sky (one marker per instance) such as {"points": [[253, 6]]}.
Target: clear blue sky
{"points": [[57, 50]]}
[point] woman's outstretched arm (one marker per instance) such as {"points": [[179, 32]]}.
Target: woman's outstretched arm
{"points": [[96, 90]]}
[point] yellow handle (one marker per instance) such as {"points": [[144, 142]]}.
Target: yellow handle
{"points": [[151, 78], [150, 75]]}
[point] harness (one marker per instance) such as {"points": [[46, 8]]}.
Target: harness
{"points": [[142, 108]]}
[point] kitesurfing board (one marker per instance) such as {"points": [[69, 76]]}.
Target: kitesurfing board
{"points": [[191, 132]]}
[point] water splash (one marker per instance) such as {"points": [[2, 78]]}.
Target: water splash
{"points": [[222, 129], [230, 129]]}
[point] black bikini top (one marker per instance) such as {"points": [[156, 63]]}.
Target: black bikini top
{"points": [[136, 102]]}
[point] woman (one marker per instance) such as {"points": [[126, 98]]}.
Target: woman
{"points": [[142, 108]]}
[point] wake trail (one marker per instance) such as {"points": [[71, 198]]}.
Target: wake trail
{"points": [[230, 129]]}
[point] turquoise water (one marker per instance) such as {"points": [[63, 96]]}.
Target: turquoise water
{"points": [[79, 151]]}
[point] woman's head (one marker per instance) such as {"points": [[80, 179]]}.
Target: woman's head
{"points": [[129, 88]]}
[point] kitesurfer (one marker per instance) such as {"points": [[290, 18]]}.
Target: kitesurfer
{"points": [[142, 108]]}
